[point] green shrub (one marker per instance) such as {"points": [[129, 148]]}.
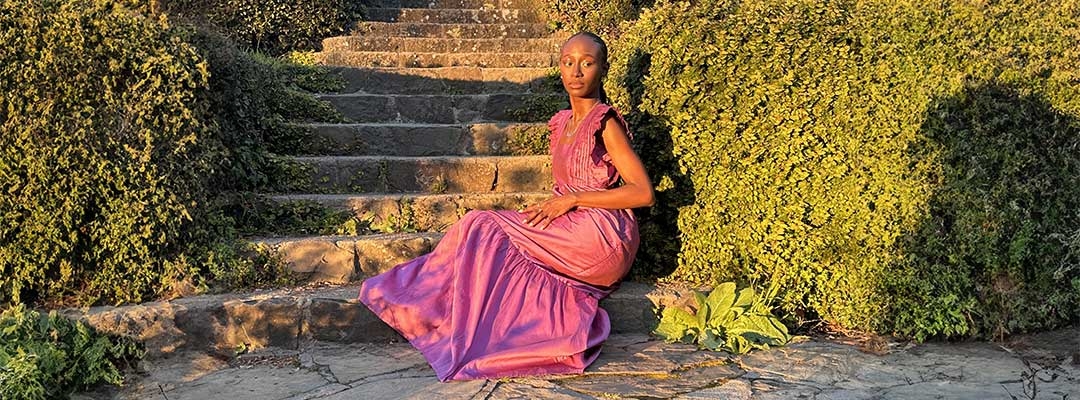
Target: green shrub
{"points": [[261, 217], [125, 145], [253, 99], [601, 17], [269, 26], [907, 167], [101, 150], [50, 357]]}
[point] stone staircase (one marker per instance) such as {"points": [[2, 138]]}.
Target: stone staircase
{"points": [[431, 90], [431, 133]]}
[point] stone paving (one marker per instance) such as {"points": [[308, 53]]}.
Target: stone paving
{"points": [[639, 367]]}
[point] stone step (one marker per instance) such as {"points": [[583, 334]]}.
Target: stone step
{"points": [[453, 15], [455, 80], [482, 139], [464, 31], [424, 213], [370, 59], [474, 4], [344, 259], [437, 109], [438, 45], [287, 318], [436, 175]]}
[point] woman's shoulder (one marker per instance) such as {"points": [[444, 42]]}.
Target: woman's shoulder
{"points": [[556, 121], [605, 113]]}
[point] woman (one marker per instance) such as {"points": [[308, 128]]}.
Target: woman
{"points": [[513, 293]]}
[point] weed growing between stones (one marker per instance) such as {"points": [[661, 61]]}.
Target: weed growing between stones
{"points": [[300, 217], [537, 108], [257, 266], [526, 141], [402, 222], [438, 184]]}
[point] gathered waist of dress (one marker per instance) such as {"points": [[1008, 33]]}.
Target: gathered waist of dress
{"points": [[588, 289]]}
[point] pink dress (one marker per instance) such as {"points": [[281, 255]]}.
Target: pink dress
{"points": [[498, 298]]}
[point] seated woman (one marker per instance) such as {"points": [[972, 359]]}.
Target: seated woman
{"points": [[512, 293]]}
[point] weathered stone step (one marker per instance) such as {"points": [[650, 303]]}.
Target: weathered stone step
{"points": [[483, 139], [476, 4], [369, 59], [425, 213], [436, 109], [288, 317], [453, 15], [344, 259], [377, 174], [438, 45], [457, 80], [468, 30]]}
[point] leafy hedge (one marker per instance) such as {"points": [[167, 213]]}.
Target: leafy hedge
{"points": [[126, 147], [100, 157], [269, 26], [601, 17], [900, 166], [50, 356]]}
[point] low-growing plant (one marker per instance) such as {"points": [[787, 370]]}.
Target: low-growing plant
{"points": [[537, 108], [259, 216], [50, 356], [271, 26], [727, 319], [243, 265], [528, 140], [404, 221]]}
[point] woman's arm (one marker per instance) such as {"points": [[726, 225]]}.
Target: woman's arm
{"points": [[636, 191]]}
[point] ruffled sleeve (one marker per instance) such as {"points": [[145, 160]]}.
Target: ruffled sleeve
{"points": [[596, 124]]}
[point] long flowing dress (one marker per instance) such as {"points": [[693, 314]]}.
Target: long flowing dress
{"points": [[499, 298]]}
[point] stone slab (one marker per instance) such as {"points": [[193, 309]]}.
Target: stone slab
{"points": [[287, 318], [439, 45], [452, 15], [448, 80], [630, 366], [466, 31], [344, 259], [372, 59], [435, 108], [425, 140], [451, 174], [475, 4], [426, 213]]}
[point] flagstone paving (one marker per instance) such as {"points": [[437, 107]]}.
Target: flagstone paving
{"points": [[635, 366]]}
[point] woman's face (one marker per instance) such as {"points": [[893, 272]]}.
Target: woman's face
{"points": [[581, 67]]}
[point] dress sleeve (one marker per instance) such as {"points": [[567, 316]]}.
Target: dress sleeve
{"points": [[598, 125]]}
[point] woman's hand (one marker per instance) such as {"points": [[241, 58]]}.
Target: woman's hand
{"points": [[542, 214]]}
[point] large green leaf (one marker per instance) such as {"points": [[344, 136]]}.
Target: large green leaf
{"points": [[746, 298], [676, 324], [727, 319], [737, 344], [712, 339], [704, 309], [720, 301]]}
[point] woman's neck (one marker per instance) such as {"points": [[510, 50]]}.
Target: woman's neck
{"points": [[580, 106]]}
